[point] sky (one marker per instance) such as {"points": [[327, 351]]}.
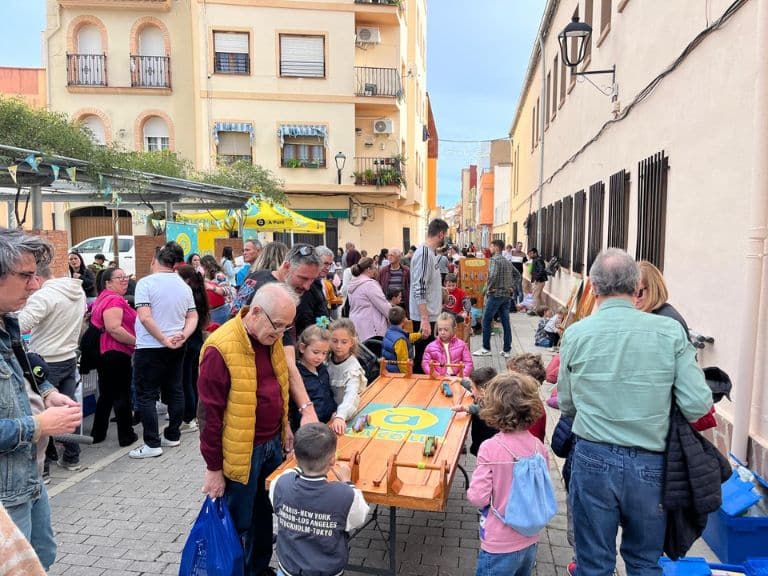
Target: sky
{"points": [[477, 55]]}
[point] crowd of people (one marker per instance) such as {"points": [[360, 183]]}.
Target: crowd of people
{"points": [[263, 359]]}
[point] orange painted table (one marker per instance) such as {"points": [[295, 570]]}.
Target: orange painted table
{"points": [[387, 456]]}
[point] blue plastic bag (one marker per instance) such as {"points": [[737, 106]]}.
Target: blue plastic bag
{"points": [[213, 547], [531, 503]]}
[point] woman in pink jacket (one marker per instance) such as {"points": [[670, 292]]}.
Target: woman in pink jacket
{"points": [[447, 349], [368, 307]]}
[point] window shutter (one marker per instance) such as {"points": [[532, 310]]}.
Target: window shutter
{"points": [[230, 42], [302, 56], [234, 144]]}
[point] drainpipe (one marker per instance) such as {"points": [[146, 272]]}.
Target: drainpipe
{"points": [[543, 101], [756, 237]]}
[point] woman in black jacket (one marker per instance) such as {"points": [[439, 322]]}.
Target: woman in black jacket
{"points": [[78, 269]]}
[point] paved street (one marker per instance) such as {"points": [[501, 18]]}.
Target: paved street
{"points": [[129, 517]]}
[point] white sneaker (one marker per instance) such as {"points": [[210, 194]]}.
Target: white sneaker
{"points": [[169, 443], [190, 426], [145, 452], [482, 352], [507, 354]]}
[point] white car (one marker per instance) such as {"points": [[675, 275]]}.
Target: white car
{"points": [[103, 245]]}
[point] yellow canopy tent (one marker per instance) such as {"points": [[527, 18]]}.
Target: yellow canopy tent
{"points": [[260, 215]]}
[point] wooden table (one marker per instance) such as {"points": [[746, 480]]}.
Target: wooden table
{"points": [[387, 458]]}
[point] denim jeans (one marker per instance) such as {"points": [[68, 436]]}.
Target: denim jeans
{"points": [[251, 509], [518, 563], [614, 486], [494, 304], [157, 376], [63, 375], [33, 519]]}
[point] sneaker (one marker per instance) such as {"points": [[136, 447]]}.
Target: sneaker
{"points": [[507, 354], [169, 443], [71, 466], [190, 426], [482, 352], [571, 569], [146, 452]]}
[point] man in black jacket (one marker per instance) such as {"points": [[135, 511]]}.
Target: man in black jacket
{"points": [[538, 276]]}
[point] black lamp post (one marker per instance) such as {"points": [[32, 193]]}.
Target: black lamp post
{"points": [[340, 160], [578, 35]]}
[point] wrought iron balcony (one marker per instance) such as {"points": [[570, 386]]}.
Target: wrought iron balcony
{"points": [[378, 82], [86, 69], [150, 71], [378, 172]]}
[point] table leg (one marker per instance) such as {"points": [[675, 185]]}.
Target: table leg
{"points": [[392, 545]]}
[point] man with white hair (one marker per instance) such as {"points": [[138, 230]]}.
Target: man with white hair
{"points": [[620, 371], [243, 414], [396, 276]]}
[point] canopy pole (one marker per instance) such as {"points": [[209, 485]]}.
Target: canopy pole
{"points": [[291, 238], [36, 198]]}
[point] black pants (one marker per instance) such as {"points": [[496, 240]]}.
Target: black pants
{"points": [[189, 375], [421, 345], [64, 377], [115, 375], [157, 376]]}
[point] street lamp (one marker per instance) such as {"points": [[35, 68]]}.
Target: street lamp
{"points": [[578, 35], [341, 160]]}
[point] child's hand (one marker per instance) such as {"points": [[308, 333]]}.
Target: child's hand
{"points": [[338, 425], [343, 471], [459, 408]]}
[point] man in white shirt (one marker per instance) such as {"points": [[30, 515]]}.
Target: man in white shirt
{"points": [[166, 319]]}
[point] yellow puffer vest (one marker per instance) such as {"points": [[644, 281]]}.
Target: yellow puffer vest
{"points": [[234, 345]]}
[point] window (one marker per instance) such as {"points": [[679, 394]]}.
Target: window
{"points": [[652, 209], [303, 145], [588, 18], [557, 230], [562, 81], [302, 56], [234, 147], [95, 128], [618, 210], [546, 100], [538, 111], [231, 53], [150, 68], [532, 226], [555, 74], [605, 15], [565, 258], [596, 208], [579, 218], [155, 132], [514, 233], [533, 128], [88, 67]]}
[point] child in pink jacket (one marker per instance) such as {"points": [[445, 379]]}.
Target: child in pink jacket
{"points": [[447, 349], [511, 404]]}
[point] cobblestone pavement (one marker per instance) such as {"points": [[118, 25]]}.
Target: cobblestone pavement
{"points": [[119, 516]]}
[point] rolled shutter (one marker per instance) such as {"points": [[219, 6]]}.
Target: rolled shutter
{"points": [[230, 42], [302, 56]]}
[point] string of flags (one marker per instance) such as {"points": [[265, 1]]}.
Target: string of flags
{"points": [[34, 162]]}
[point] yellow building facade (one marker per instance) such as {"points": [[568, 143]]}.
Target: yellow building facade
{"points": [[330, 96]]}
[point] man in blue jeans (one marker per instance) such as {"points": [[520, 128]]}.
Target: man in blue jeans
{"points": [[619, 370], [498, 299]]}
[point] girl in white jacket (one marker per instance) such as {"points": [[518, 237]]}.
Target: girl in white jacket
{"points": [[347, 376]]}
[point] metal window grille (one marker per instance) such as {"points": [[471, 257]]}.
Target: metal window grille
{"points": [[565, 258], [532, 225], [557, 230], [618, 210], [549, 233], [579, 220], [86, 69], [652, 208], [596, 210], [514, 232], [150, 71]]}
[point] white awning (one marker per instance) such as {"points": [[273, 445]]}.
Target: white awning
{"points": [[309, 130], [232, 127]]}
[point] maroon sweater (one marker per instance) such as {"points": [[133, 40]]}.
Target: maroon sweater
{"points": [[213, 386]]}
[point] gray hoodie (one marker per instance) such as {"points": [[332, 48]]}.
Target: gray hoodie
{"points": [[54, 314]]}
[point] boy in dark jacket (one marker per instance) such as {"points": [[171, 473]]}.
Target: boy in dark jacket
{"points": [[397, 343], [315, 516], [478, 379]]}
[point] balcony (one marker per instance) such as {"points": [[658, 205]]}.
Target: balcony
{"points": [[378, 172], [378, 82], [150, 71], [229, 159], [86, 69]]}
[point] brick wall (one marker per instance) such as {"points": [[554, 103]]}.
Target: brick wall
{"points": [[219, 243], [757, 453], [58, 239], [145, 252]]}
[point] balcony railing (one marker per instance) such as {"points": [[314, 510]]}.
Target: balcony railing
{"points": [[150, 71], [378, 82], [378, 172], [232, 158], [86, 69]]}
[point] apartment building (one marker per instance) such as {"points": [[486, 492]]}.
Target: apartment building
{"points": [[667, 162], [329, 96], [27, 84]]}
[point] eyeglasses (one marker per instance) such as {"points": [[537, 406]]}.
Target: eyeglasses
{"points": [[279, 330], [26, 276], [119, 278]]}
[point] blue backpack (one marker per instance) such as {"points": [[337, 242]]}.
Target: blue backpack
{"points": [[531, 503]]}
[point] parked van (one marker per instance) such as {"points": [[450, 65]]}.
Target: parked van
{"points": [[103, 245]]}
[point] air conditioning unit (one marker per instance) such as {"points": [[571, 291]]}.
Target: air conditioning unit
{"points": [[382, 126], [368, 35]]}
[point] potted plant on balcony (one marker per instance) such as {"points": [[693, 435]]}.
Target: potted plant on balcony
{"points": [[369, 176], [389, 177], [292, 163], [358, 176]]}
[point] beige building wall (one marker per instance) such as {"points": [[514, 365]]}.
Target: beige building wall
{"points": [[199, 96], [700, 115]]}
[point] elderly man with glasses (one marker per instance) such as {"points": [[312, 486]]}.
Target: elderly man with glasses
{"points": [[243, 414], [22, 491]]}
